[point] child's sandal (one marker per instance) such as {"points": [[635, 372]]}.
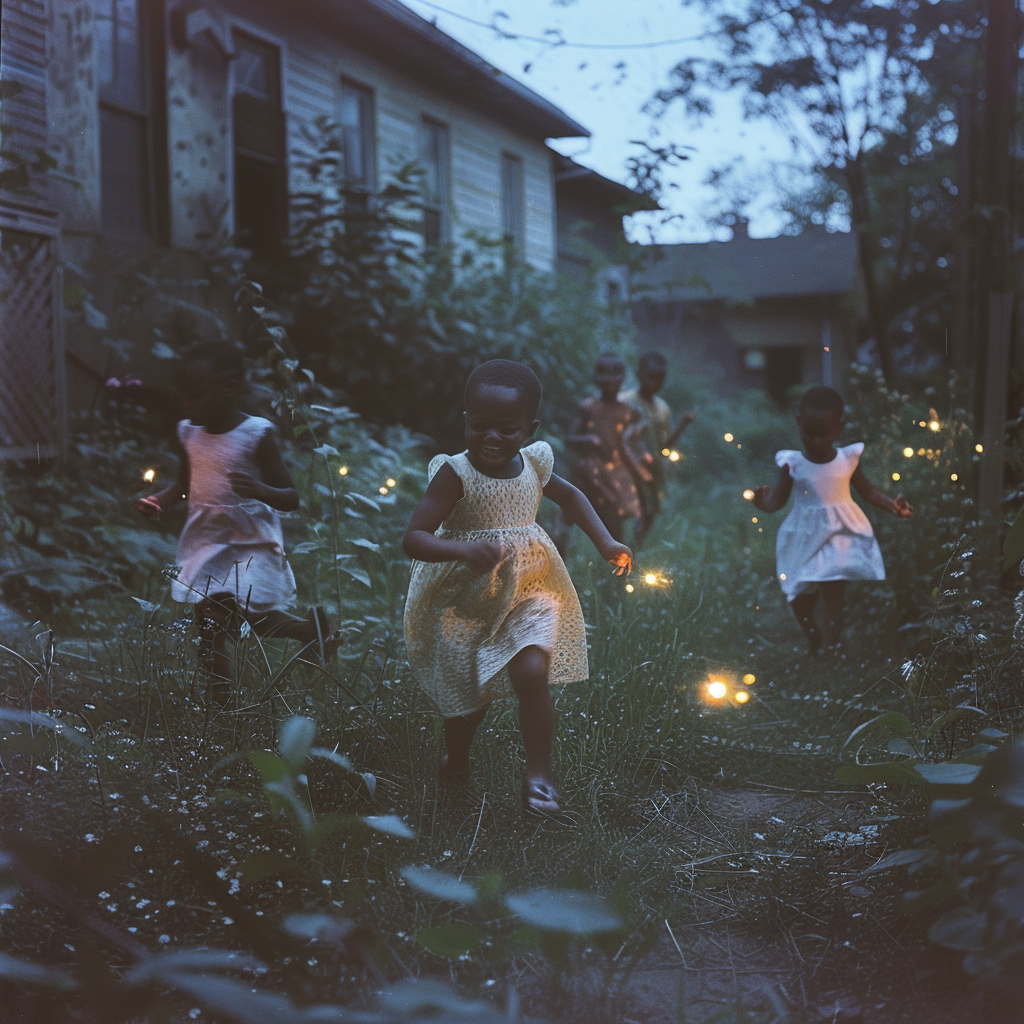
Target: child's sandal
{"points": [[540, 798]]}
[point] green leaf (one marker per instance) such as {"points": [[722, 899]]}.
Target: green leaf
{"points": [[439, 884], [389, 823], [564, 910], [948, 773], [452, 939], [361, 499], [953, 715], [960, 928], [357, 573], [146, 606], [295, 740], [324, 827], [270, 766], [333, 756], [888, 723], [271, 864], [362, 542], [326, 449], [154, 968], [899, 745]]}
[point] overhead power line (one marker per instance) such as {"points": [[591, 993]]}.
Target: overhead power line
{"points": [[553, 37]]}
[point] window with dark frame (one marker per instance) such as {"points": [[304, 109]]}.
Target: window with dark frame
{"points": [[435, 157], [260, 167], [357, 134], [126, 178], [513, 202]]}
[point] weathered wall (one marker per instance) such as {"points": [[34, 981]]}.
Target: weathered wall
{"points": [[73, 115]]}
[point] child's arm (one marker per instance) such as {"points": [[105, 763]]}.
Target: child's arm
{"points": [[442, 495], [684, 421], [275, 486], [898, 506], [154, 504], [771, 499], [577, 510], [579, 437]]}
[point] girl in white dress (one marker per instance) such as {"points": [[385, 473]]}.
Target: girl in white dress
{"points": [[826, 539], [231, 552], [491, 610]]}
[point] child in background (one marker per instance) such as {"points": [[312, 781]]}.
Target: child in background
{"points": [[231, 549], [658, 435], [491, 610], [826, 539], [607, 470]]}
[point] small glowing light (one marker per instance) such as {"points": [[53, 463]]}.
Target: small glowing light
{"points": [[826, 348], [748, 494], [629, 588], [760, 529], [979, 448], [953, 477], [674, 456], [908, 452], [895, 476], [343, 470], [782, 575], [920, 451], [149, 476], [650, 579], [390, 482], [742, 697], [739, 446], [728, 437], [753, 519], [749, 679], [666, 452], [922, 424], [716, 689], [933, 426], [383, 490]]}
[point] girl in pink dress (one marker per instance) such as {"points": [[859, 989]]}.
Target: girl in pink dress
{"points": [[231, 553], [826, 538]]}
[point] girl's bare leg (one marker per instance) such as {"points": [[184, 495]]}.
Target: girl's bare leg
{"points": [[833, 601], [458, 738], [213, 617], [803, 609], [528, 672]]}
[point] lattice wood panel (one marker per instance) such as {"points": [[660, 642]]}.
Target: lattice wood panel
{"points": [[31, 392]]}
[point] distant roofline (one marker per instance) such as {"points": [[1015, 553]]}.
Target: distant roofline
{"points": [[608, 189], [399, 37]]}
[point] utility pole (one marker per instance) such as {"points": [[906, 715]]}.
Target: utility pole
{"points": [[996, 206]]}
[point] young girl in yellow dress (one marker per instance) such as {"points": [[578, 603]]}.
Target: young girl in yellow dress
{"points": [[491, 610]]}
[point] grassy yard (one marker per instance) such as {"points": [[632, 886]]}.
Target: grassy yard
{"points": [[715, 828]]}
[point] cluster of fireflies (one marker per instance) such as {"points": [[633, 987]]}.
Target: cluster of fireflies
{"points": [[671, 454], [730, 437], [387, 485], [720, 687], [654, 579]]}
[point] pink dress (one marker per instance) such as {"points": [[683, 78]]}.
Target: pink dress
{"points": [[826, 535], [230, 544]]}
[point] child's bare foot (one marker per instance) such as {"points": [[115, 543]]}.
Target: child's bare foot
{"points": [[540, 797], [449, 774]]}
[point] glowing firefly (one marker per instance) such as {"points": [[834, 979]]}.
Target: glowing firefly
{"points": [[953, 477], [728, 437], [979, 448], [149, 476], [343, 471], [390, 482], [629, 588], [656, 579], [674, 456], [908, 452], [383, 490], [749, 679], [666, 452], [933, 426], [895, 476], [742, 697], [716, 689], [748, 494], [753, 519]]}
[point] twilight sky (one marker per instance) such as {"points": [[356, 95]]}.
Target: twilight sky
{"points": [[604, 86]]}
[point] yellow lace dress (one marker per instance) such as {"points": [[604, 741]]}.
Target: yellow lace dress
{"points": [[463, 627]]}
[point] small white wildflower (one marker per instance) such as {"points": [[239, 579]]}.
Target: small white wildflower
{"points": [[164, 939], [103, 895]]}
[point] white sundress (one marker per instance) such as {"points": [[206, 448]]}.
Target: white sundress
{"points": [[826, 535], [463, 627], [230, 544]]}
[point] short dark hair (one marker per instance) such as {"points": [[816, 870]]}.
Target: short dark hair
{"points": [[223, 357], [612, 357], [504, 373], [654, 362], [822, 399]]}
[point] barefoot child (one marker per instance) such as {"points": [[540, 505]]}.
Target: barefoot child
{"points": [[826, 539], [607, 470], [659, 435], [231, 550], [491, 610]]}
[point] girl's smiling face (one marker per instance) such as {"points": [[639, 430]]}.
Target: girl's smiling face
{"points": [[819, 432], [498, 424]]}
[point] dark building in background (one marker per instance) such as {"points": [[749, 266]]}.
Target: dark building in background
{"points": [[769, 313]]}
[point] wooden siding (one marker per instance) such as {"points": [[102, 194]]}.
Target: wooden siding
{"points": [[23, 61]]}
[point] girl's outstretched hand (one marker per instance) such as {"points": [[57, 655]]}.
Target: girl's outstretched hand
{"points": [[901, 507], [148, 505], [484, 555], [621, 557]]}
